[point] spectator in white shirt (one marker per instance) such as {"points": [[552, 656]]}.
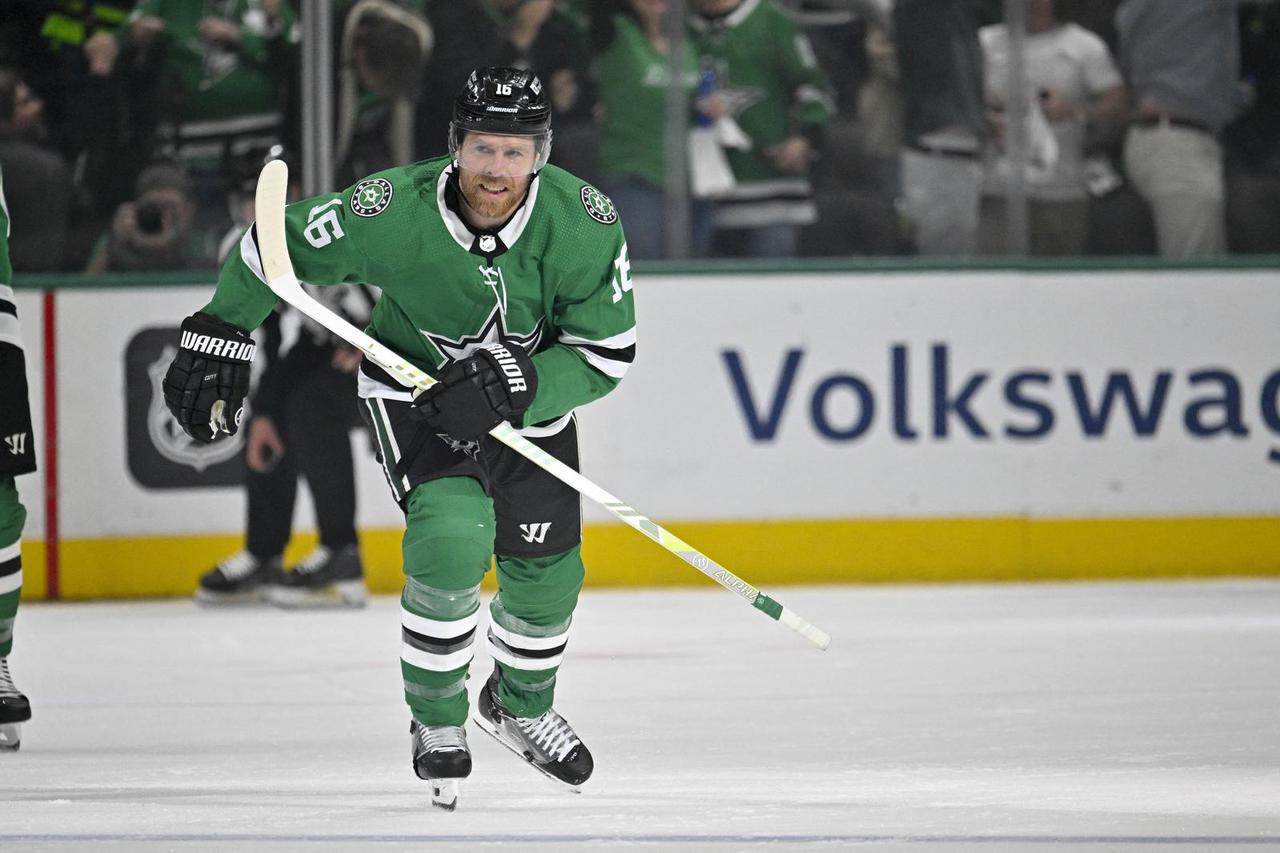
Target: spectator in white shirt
{"points": [[1079, 89]]}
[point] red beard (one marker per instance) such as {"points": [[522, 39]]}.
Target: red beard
{"points": [[476, 191]]}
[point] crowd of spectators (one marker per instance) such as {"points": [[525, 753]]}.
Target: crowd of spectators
{"points": [[816, 127]]}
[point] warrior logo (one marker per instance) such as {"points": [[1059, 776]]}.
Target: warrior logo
{"points": [[371, 197], [598, 206], [507, 361], [17, 443], [536, 532]]}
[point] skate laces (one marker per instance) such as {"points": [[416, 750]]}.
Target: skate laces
{"points": [[7, 687], [551, 733], [440, 738], [314, 561], [237, 566]]}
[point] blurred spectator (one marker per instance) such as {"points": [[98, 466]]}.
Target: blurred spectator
{"points": [[107, 136], [1071, 71], [1253, 141], [68, 53], [945, 126], [1096, 16], [156, 230], [38, 183], [772, 87], [1181, 59], [855, 177], [384, 51], [222, 68], [54, 55], [880, 106], [632, 77], [535, 34]]}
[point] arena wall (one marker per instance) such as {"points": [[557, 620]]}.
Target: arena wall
{"points": [[813, 424]]}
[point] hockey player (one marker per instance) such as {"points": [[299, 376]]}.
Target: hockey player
{"points": [[17, 456], [508, 280]]}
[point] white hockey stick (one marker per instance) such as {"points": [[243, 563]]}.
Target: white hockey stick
{"points": [[274, 252]]}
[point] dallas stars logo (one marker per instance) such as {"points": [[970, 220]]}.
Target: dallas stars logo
{"points": [[371, 197], [493, 331], [598, 206]]}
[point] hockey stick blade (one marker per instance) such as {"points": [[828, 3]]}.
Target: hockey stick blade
{"points": [[278, 269]]}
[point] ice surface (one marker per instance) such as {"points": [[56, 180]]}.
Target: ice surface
{"points": [[1098, 717]]}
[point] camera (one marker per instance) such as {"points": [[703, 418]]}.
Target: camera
{"points": [[150, 220]]}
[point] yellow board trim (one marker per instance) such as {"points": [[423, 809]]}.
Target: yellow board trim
{"points": [[763, 553]]}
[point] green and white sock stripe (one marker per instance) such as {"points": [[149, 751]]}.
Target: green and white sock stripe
{"points": [[438, 626], [10, 569], [436, 694], [525, 652], [10, 591], [438, 645]]}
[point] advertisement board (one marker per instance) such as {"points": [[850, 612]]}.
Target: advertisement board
{"points": [[910, 409]]}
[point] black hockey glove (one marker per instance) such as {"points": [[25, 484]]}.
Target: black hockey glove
{"points": [[208, 379], [494, 384]]}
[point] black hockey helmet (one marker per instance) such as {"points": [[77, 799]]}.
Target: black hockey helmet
{"points": [[506, 101]]}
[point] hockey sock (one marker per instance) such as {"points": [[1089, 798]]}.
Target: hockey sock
{"points": [[12, 518]]}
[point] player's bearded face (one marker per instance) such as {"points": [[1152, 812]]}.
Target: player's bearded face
{"points": [[495, 172]]}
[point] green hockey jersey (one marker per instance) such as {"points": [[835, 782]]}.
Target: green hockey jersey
{"points": [[767, 73], [554, 279]]}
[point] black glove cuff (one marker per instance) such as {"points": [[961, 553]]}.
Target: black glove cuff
{"points": [[217, 340]]}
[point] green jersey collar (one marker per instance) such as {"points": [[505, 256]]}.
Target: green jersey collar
{"points": [[464, 235]]}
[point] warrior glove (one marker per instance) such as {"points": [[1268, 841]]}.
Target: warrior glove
{"points": [[494, 384], [208, 379]]}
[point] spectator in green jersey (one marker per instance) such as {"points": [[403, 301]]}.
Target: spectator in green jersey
{"points": [[781, 99], [632, 76], [223, 67]]}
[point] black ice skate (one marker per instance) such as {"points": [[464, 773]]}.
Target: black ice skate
{"points": [[324, 579], [14, 711], [547, 742], [239, 579], [441, 757]]}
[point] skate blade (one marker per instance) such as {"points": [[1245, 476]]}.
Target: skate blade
{"points": [[492, 731], [10, 737], [341, 594], [228, 599], [444, 793]]}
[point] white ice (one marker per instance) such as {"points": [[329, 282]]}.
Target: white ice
{"points": [[1055, 717]]}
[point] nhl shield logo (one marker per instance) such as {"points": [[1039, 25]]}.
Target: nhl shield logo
{"points": [[598, 206], [159, 454], [371, 197], [168, 438]]}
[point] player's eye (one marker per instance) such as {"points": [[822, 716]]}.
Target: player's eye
{"points": [[514, 153]]}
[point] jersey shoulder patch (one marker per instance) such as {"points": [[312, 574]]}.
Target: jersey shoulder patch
{"points": [[598, 206], [371, 197]]}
